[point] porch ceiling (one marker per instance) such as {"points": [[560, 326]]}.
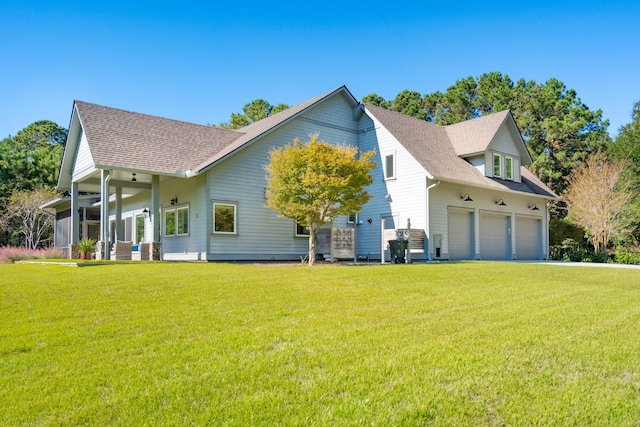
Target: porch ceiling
{"points": [[124, 179]]}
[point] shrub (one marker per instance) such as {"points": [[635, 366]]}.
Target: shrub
{"points": [[626, 257], [10, 254], [570, 250]]}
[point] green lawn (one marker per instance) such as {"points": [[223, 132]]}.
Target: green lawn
{"points": [[217, 344]]}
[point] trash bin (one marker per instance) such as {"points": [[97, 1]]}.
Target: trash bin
{"points": [[398, 249]]}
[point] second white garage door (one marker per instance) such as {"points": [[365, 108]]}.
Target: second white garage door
{"points": [[494, 237], [528, 235]]}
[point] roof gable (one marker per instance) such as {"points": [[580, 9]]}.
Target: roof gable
{"points": [[125, 140], [476, 136], [432, 147], [121, 139], [267, 125]]}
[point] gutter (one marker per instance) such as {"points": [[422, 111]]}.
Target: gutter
{"points": [[428, 222]]}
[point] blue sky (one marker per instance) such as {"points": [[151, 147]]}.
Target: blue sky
{"points": [[200, 62]]}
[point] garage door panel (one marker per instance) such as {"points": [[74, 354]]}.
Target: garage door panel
{"points": [[527, 238], [460, 235], [494, 243]]}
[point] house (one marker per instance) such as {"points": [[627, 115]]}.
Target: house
{"points": [[179, 190]]}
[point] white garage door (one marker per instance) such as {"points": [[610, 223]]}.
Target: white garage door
{"points": [[494, 239], [527, 238], [460, 235]]}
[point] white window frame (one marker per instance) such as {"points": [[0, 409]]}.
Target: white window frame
{"points": [[139, 239], [175, 210], [352, 219], [508, 168], [391, 175], [178, 209], [235, 217], [164, 222], [493, 165]]}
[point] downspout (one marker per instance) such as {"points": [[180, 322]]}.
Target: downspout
{"points": [[428, 222]]}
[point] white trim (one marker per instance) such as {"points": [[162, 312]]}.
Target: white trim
{"points": [[493, 165], [508, 170], [387, 175], [175, 210], [235, 217]]}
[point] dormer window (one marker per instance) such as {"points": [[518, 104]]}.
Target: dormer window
{"points": [[508, 168], [497, 165]]}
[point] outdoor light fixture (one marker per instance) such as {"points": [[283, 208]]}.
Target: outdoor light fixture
{"points": [[134, 177], [145, 212], [534, 207], [501, 203], [174, 201], [466, 198], [369, 220]]}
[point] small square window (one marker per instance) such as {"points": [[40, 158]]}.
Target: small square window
{"points": [[302, 230], [352, 218], [497, 165], [224, 218], [390, 166]]}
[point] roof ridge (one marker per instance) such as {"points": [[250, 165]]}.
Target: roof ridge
{"points": [[76, 101], [485, 116], [401, 114]]}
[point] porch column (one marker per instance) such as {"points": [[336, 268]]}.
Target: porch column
{"points": [[119, 227], [105, 177], [75, 214], [155, 207]]}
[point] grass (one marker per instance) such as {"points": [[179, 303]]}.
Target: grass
{"points": [[214, 344]]}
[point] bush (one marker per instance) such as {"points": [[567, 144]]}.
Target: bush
{"points": [[10, 254], [626, 257], [561, 230], [570, 250]]}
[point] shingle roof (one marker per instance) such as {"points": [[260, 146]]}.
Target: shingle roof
{"points": [[432, 147], [259, 128], [474, 136], [123, 139], [127, 140]]}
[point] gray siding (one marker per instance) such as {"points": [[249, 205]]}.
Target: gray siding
{"points": [[190, 192], [241, 180], [504, 144]]}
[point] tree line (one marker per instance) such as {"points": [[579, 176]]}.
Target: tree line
{"points": [[29, 167], [565, 137]]}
